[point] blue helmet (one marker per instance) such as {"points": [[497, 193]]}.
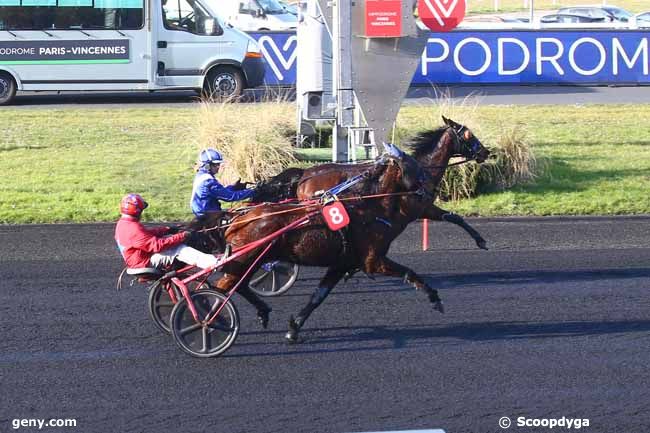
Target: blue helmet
{"points": [[209, 156]]}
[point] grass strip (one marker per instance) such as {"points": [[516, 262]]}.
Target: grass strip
{"points": [[74, 165]]}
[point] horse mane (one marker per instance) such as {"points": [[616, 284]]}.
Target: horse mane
{"points": [[425, 142]]}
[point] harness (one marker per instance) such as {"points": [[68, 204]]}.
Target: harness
{"points": [[346, 184], [328, 196], [460, 143]]}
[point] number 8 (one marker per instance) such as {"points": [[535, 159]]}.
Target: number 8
{"points": [[335, 214]]}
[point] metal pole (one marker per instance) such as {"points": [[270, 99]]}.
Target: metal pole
{"points": [[532, 11], [425, 234], [342, 78]]}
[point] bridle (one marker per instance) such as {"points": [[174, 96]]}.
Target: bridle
{"points": [[465, 147]]}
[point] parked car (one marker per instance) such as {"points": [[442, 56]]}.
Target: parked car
{"points": [[255, 15], [607, 12], [570, 19], [515, 20], [292, 8], [642, 20]]}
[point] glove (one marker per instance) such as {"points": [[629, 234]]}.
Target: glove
{"points": [[173, 229], [239, 185]]}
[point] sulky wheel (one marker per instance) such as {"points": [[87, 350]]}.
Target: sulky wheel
{"points": [[205, 341], [161, 305], [274, 278]]}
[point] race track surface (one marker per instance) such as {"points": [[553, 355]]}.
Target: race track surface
{"points": [[552, 321]]}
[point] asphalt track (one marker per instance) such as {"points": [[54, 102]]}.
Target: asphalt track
{"points": [[553, 321], [492, 95]]}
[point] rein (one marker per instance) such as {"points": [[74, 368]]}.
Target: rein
{"points": [[457, 140], [305, 179], [310, 204], [449, 165]]}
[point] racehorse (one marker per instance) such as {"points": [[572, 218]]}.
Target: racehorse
{"points": [[211, 235], [395, 195], [305, 183]]}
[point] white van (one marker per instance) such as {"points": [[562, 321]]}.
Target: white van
{"points": [[88, 45], [256, 15]]}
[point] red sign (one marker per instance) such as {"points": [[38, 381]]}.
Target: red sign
{"points": [[384, 18], [336, 216], [441, 15]]}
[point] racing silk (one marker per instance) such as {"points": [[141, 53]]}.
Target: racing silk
{"points": [[207, 193], [137, 244]]}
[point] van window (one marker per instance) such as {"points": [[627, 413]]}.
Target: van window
{"points": [[184, 15], [71, 14], [248, 6], [270, 7]]}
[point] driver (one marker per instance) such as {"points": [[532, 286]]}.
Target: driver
{"points": [[148, 247], [207, 192]]}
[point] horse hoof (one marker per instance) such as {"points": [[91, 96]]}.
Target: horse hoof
{"points": [[292, 338], [482, 244], [263, 318], [438, 306], [292, 333]]}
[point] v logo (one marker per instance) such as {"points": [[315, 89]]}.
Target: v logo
{"points": [[441, 15], [445, 11], [280, 58]]}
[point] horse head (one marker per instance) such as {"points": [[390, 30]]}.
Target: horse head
{"points": [[279, 187], [466, 144], [433, 148]]}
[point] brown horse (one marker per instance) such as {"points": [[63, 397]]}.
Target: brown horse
{"points": [[364, 244], [212, 232], [306, 183]]}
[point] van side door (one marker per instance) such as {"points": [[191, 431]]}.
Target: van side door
{"points": [[188, 38]]}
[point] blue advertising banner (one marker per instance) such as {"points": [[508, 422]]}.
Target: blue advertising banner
{"points": [[503, 57], [280, 52], [540, 57]]}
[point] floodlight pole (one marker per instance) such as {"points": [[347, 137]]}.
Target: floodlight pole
{"points": [[342, 77]]}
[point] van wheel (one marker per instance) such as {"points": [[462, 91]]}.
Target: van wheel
{"points": [[7, 88], [224, 83]]}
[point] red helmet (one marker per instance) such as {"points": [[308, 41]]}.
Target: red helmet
{"points": [[132, 204]]}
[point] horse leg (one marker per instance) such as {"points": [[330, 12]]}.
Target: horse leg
{"points": [[385, 266], [228, 281], [435, 213], [327, 283]]}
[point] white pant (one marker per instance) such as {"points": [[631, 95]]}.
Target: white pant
{"points": [[184, 254]]}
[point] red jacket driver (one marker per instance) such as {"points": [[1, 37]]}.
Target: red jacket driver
{"points": [[137, 243]]}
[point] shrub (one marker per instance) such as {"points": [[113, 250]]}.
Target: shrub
{"points": [[512, 162], [252, 137]]}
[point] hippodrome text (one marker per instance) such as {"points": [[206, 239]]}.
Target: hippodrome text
{"points": [[504, 57]]}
